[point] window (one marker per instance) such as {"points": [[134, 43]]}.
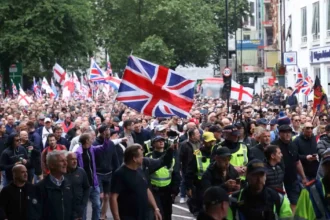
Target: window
{"points": [[252, 20], [246, 20], [252, 7], [303, 22], [316, 19], [246, 37]]}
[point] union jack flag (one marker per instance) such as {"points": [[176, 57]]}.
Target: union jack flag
{"points": [[155, 90], [108, 67], [96, 74], [36, 89], [307, 86]]}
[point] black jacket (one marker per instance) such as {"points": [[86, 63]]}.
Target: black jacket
{"points": [[275, 176], [191, 177], [204, 216], [34, 156], [258, 152], [122, 135], [79, 181], [56, 202], [212, 177], [186, 155], [64, 142], [108, 160], [233, 147], [19, 202], [307, 146], [9, 157], [323, 144]]}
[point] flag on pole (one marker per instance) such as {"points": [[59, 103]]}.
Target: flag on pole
{"points": [[68, 88], [59, 74], [155, 90], [96, 74], [307, 86], [240, 93], [320, 98], [54, 88], [114, 82], [45, 85], [23, 99], [14, 88], [36, 89]]}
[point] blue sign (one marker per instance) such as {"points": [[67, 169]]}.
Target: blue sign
{"points": [[249, 44], [320, 55]]}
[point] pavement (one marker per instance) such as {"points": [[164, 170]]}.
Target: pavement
{"points": [[180, 212]]}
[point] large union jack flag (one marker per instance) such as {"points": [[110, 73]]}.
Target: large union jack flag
{"points": [[155, 90], [307, 86], [300, 80]]}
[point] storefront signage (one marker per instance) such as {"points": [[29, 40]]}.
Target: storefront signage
{"points": [[320, 55]]}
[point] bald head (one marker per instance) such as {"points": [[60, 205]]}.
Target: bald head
{"points": [[308, 129], [71, 158], [191, 125], [20, 175], [24, 136]]}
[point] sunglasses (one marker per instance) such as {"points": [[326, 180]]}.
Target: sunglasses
{"points": [[309, 127], [297, 120], [17, 140], [247, 112], [324, 119]]}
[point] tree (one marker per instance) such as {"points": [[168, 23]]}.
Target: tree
{"points": [[40, 33], [177, 32]]}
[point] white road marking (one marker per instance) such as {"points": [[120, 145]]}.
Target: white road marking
{"points": [[182, 216], [179, 207]]}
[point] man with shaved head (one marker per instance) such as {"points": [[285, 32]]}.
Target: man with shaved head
{"points": [[18, 198], [307, 149]]}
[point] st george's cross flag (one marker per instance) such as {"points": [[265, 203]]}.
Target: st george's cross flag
{"points": [[23, 99], [155, 90], [241, 93], [59, 74]]}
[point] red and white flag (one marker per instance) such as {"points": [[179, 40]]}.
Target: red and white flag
{"points": [[23, 99], [68, 88], [45, 85], [59, 74], [240, 93]]}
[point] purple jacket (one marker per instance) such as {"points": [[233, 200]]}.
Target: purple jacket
{"points": [[93, 150]]}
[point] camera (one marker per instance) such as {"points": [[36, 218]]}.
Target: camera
{"points": [[173, 137]]}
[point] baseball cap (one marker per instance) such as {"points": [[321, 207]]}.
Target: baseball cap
{"points": [[264, 110], [158, 138], [215, 128], [273, 122], [102, 128], [255, 166], [215, 195], [223, 152], [116, 119], [48, 120], [113, 131], [41, 117], [160, 128], [285, 128], [194, 120], [231, 129], [262, 121], [208, 136]]}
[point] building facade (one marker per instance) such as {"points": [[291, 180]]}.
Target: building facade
{"points": [[308, 34]]}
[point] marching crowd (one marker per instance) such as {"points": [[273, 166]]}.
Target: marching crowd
{"points": [[263, 160]]}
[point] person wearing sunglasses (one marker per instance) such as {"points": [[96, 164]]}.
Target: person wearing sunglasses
{"points": [[14, 154], [306, 144]]}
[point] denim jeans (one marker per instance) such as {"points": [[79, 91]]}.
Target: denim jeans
{"points": [[182, 188], [5, 182], [94, 197]]}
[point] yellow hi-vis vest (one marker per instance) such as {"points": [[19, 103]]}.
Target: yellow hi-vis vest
{"points": [[240, 157], [148, 146], [201, 166], [163, 176]]}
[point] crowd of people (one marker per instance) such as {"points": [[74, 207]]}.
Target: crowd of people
{"points": [[244, 161]]}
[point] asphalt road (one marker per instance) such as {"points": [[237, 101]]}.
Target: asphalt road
{"points": [[180, 212]]}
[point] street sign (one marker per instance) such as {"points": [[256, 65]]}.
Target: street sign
{"points": [[226, 72]]}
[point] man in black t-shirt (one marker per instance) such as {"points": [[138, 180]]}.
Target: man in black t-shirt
{"points": [[292, 164], [130, 194]]}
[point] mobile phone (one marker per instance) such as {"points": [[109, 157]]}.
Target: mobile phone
{"points": [[238, 180]]}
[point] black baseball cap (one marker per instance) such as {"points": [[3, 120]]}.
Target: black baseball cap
{"points": [[214, 196], [255, 166], [231, 129], [113, 131], [285, 128], [158, 138], [103, 128], [223, 152]]}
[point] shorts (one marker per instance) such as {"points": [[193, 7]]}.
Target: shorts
{"points": [[104, 182], [293, 190]]}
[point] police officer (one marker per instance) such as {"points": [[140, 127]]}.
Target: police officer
{"points": [[256, 201], [196, 167], [165, 181], [314, 200], [239, 151]]}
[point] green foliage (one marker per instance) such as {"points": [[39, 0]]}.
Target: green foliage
{"points": [[43, 32]]}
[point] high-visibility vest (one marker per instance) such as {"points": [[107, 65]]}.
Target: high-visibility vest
{"points": [[163, 176], [311, 204], [201, 166], [240, 158]]}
